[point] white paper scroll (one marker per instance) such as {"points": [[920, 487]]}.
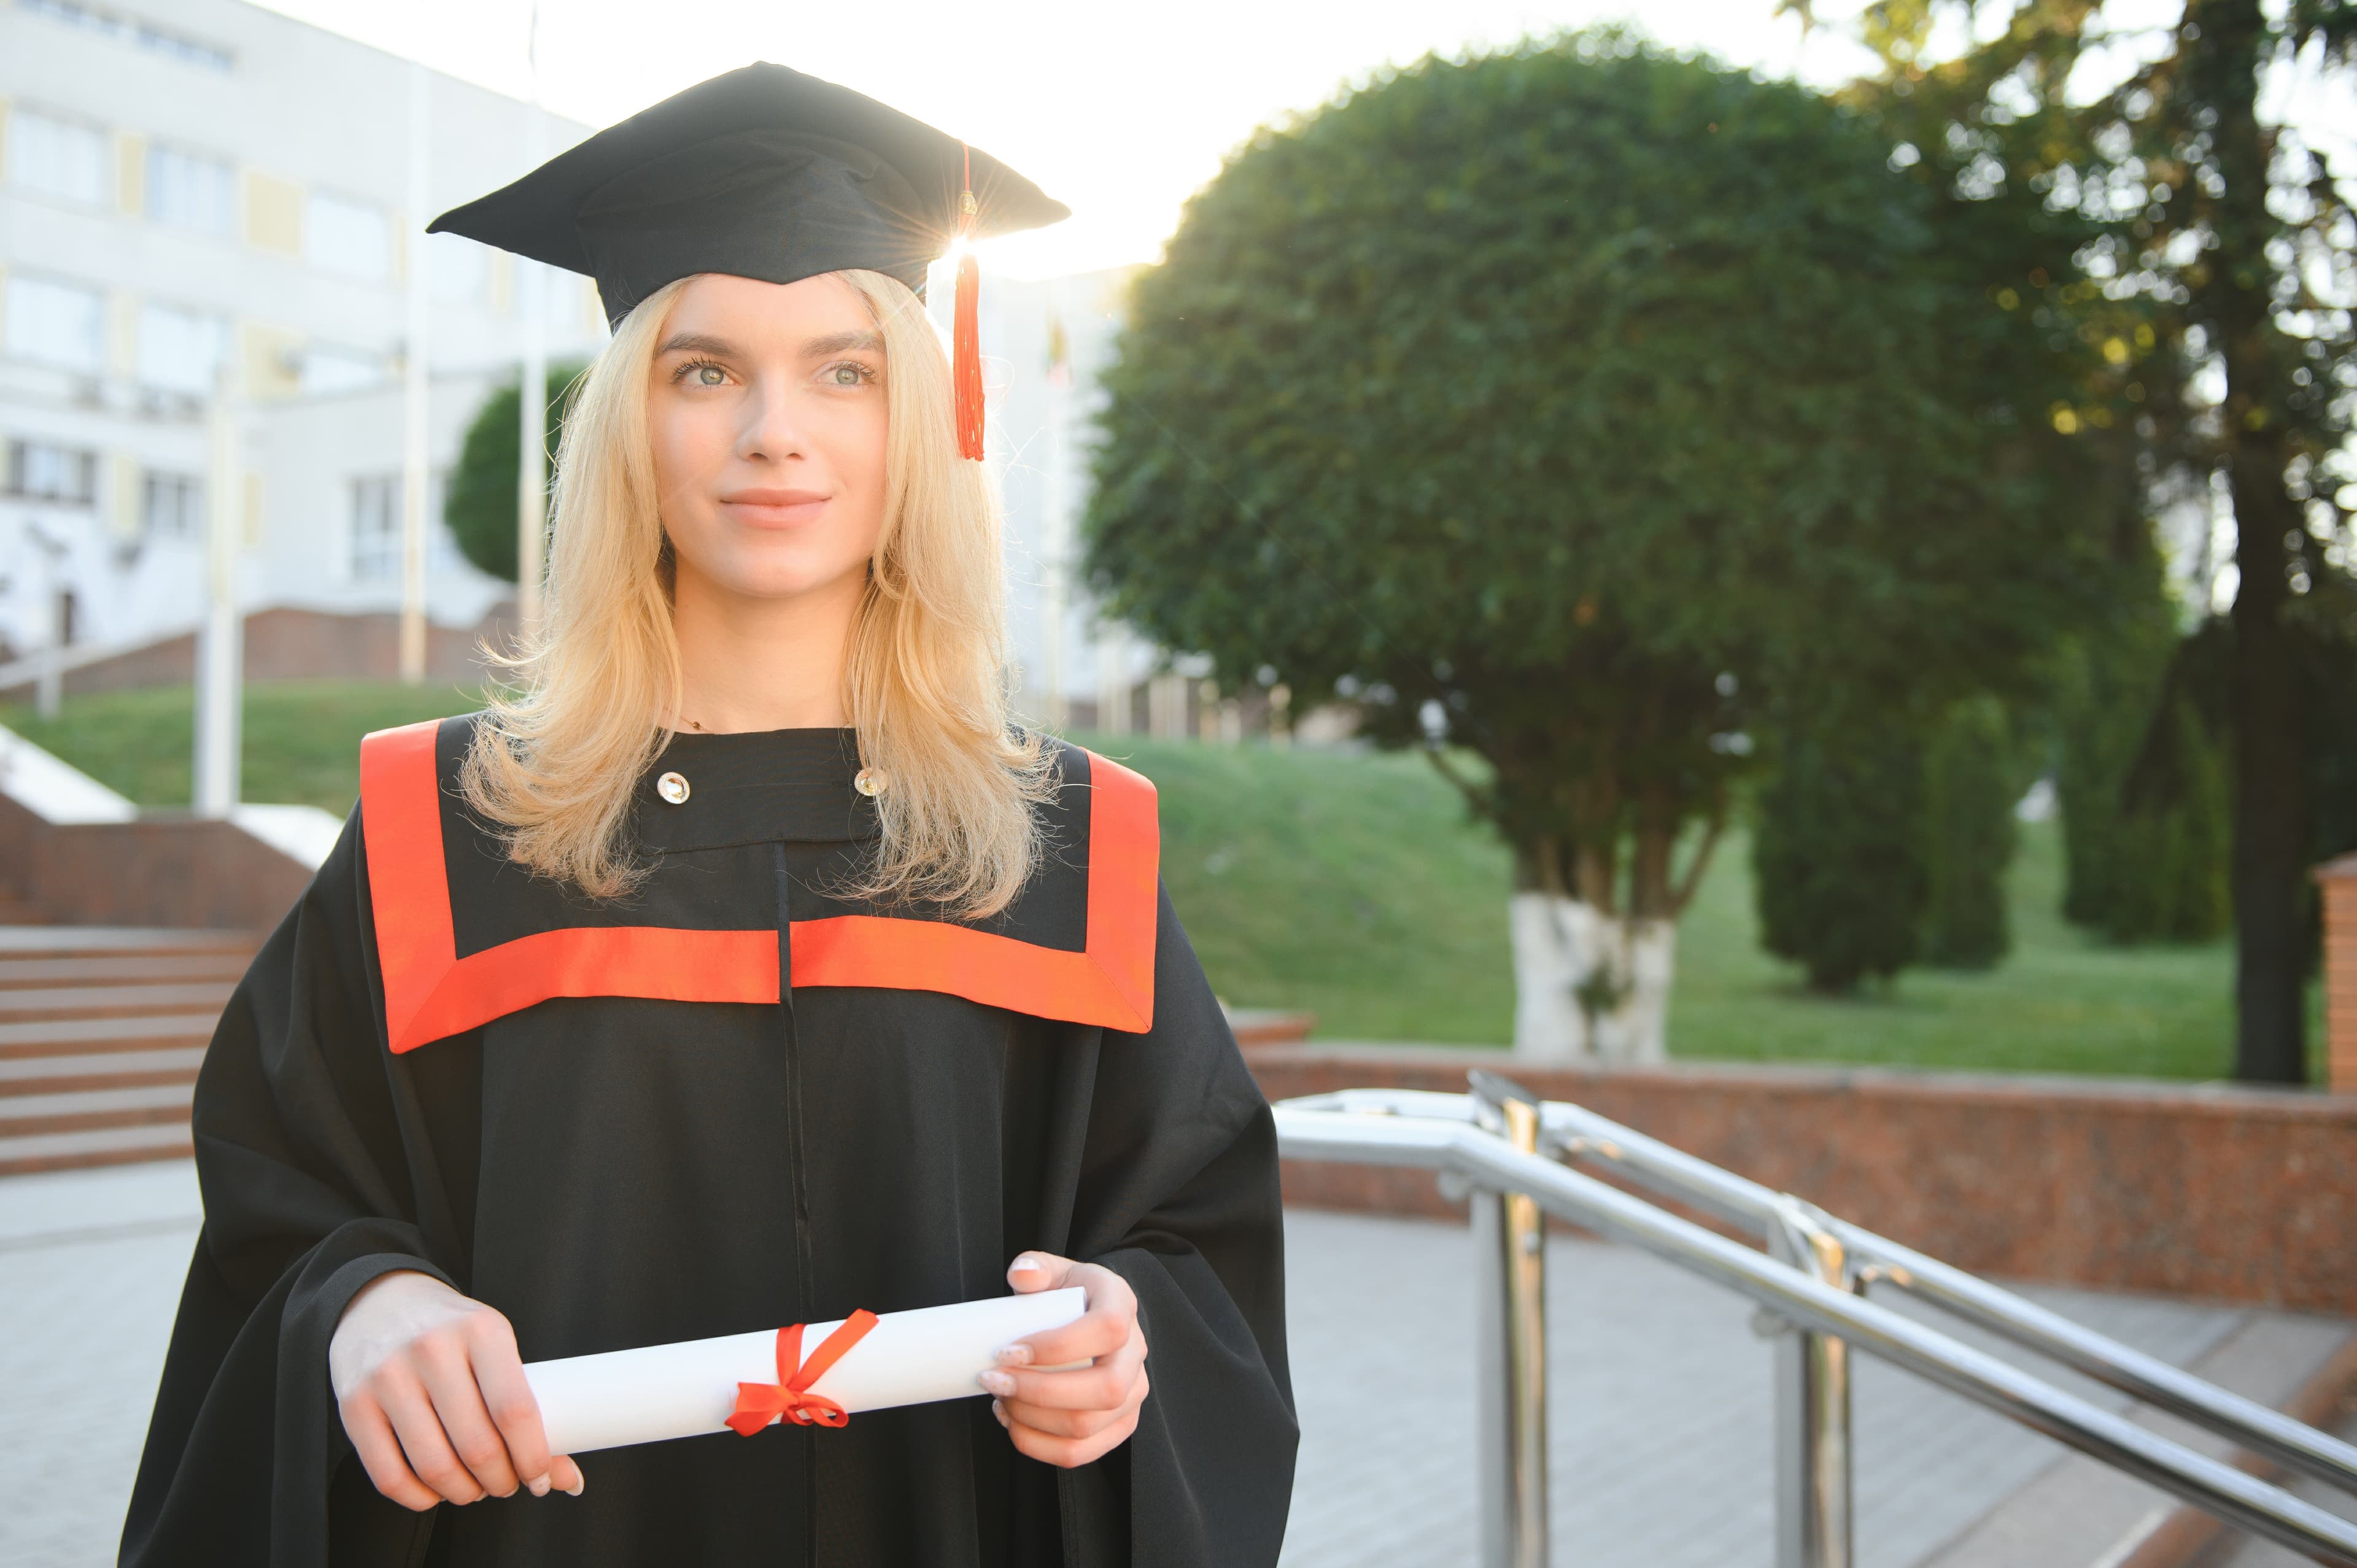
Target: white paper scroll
{"points": [[685, 1390]]}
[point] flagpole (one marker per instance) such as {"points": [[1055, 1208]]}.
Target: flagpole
{"points": [[531, 385], [1056, 528], [220, 638], [413, 475]]}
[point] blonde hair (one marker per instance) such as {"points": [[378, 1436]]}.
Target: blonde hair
{"points": [[554, 764]]}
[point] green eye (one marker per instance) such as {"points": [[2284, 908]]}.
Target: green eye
{"points": [[710, 375], [849, 375]]}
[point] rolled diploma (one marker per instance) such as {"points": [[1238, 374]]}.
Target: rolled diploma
{"points": [[684, 1390]]}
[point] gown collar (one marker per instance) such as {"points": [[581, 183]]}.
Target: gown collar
{"points": [[1080, 943], [790, 784]]}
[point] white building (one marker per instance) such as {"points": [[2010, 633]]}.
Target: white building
{"points": [[1044, 346], [188, 181]]}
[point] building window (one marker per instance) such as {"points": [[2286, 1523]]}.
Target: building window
{"points": [[194, 190], [44, 471], [131, 30], [60, 323], [171, 506], [376, 528], [58, 158], [181, 350], [331, 370], [460, 270], [443, 555], [351, 238], [567, 303]]}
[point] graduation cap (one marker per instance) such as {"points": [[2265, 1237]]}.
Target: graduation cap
{"points": [[765, 173]]}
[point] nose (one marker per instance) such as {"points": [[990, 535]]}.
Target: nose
{"points": [[773, 430]]}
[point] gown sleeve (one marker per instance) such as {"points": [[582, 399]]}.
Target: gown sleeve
{"points": [[317, 1177], [1178, 1195]]}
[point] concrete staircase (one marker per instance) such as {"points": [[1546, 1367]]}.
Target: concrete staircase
{"points": [[101, 1030]]}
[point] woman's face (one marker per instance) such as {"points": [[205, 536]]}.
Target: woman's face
{"points": [[766, 413]]}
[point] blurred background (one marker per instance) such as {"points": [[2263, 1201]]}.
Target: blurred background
{"points": [[1727, 546], [1780, 468]]}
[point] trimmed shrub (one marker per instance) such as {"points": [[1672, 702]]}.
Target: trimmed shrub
{"points": [[2156, 870], [1838, 856], [1972, 779]]}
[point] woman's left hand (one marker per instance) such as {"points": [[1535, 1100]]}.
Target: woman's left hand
{"points": [[1070, 1418]]}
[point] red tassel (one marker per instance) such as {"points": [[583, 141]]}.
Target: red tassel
{"points": [[966, 365], [965, 362]]}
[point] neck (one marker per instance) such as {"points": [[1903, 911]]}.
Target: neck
{"points": [[755, 663]]}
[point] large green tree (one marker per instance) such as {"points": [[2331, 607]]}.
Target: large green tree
{"points": [[1560, 406], [2233, 240]]}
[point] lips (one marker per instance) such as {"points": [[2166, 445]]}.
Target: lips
{"points": [[768, 508]]}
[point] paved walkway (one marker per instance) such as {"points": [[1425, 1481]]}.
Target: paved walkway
{"points": [[2247, 1551], [1660, 1395], [1660, 1432], [90, 1265]]}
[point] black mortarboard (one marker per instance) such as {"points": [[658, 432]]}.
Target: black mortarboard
{"points": [[763, 173]]}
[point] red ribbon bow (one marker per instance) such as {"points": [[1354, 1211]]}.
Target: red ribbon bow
{"points": [[757, 1405]]}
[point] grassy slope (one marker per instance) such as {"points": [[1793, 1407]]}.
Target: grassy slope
{"points": [[1306, 879], [1354, 886], [2062, 1002], [302, 738]]}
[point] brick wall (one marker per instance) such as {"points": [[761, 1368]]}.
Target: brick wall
{"points": [[299, 644], [2226, 1194], [2338, 879], [158, 870]]}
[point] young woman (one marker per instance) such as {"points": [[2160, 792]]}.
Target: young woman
{"points": [[748, 967]]}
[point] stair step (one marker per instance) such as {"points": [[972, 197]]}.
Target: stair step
{"points": [[102, 1032], [132, 969], [124, 1069], [68, 941], [27, 1003], [100, 1146], [93, 1109], [95, 1036], [145, 1077]]}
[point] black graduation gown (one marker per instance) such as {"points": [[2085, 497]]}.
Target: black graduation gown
{"points": [[733, 1101]]}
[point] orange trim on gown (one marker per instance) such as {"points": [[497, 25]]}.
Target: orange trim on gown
{"points": [[431, 993]]}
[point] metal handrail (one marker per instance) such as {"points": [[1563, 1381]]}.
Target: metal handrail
{"points": [[1576, 1132], [45, 669], [1438, 1133]]}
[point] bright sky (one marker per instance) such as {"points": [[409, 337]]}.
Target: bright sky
{"points": [[1120, 110]]}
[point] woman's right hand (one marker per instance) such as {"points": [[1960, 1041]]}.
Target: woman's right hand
{"points": [[434, 1397]]}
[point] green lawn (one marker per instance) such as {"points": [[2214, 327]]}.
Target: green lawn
{"points": [[1354, 886], [2062, 1002], [302, 738]]}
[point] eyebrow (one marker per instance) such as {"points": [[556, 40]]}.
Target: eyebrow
{"points": [[696, 343], [843, 343], [836, 343]]}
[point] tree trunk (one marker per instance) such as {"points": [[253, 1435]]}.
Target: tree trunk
{"points": [[1554, 952], [2270, 760], [1589, 987], [1642, 954]]}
